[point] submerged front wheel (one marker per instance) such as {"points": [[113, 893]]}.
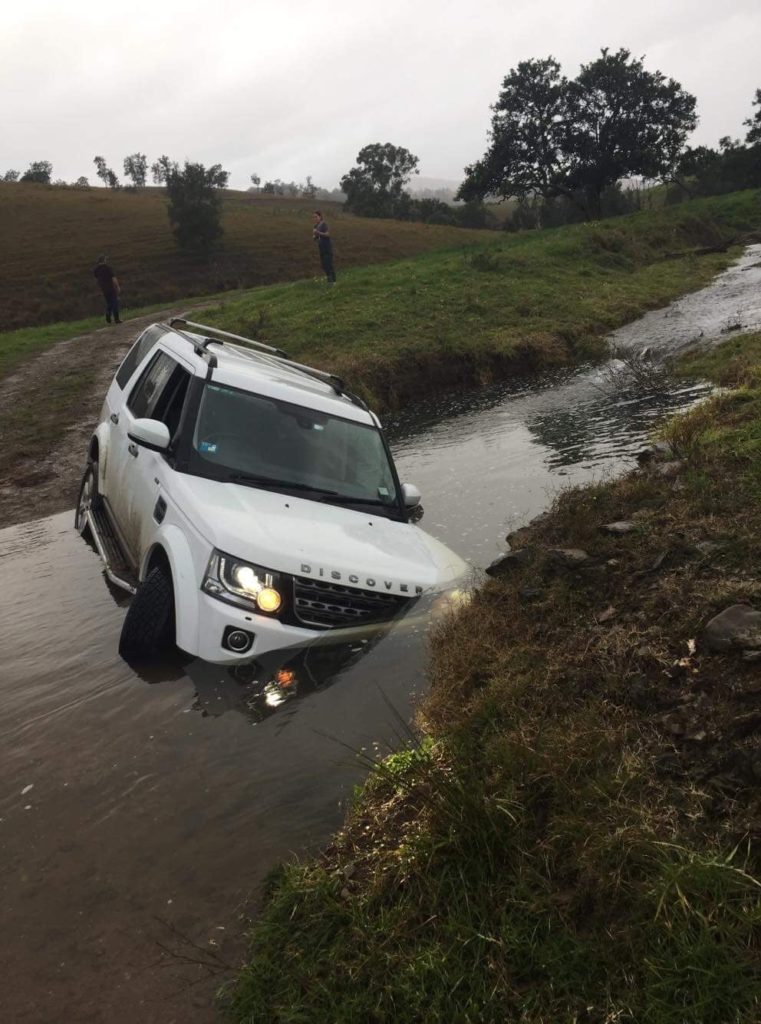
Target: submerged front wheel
{"points": [[148, 629]]}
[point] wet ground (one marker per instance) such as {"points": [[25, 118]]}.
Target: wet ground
{"points": [[139, 815]]}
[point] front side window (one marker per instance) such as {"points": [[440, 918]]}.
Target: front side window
{"points": [[147, 393], [262, 441]]}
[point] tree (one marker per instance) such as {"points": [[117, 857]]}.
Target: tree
{"points": [[161, 169], [82, 182], [554, 137], [256, 181], [195, 206], [105, 173], [753, 124], [11, 175], [527, 155], [624, 121], [707, 172], [375, 186], [309, 189], [136, 167], [39, 171]]}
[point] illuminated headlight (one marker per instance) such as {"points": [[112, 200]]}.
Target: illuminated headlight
{"points": [[250, 586]]}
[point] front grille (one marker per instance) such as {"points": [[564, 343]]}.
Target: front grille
{"points": [[329, 605]]}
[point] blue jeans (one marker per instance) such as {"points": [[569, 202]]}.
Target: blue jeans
{"points": [[112, 306], [326, 259]]}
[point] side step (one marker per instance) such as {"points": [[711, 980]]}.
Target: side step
{"points": [[116, 566]]}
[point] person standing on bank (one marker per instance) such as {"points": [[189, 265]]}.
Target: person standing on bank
{"points": [[110, 288], [321, 234]]}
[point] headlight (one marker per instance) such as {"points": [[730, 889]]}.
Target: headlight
{"points": [[250, 586]]}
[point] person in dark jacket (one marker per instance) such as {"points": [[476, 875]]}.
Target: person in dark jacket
{"points": [[321, 234], [110, 288]]}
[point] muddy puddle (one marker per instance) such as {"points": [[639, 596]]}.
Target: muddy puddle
{"points": [[138, 815]]}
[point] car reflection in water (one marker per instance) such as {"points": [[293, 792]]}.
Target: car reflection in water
{"points": [[259, 688]]}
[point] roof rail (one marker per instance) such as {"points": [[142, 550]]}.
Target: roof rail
{"points": [[200, 350], [220, 336]]}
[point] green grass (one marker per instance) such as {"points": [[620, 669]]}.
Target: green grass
{"points": [[468, 314], [52, 237], [577, 837]]}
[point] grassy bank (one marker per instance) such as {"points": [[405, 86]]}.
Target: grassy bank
{"points": [[52, 237], [512, 304], [577, 837], [494, 305]]}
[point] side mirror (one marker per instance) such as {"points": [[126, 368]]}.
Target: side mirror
{"points": [[411, 495], [151, 434]]}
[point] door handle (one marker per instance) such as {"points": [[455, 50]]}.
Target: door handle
{"points": [[133, 450], [114, 417]]}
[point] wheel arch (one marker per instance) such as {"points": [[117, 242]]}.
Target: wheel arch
{"points": [[97, 451], [170, 548]]}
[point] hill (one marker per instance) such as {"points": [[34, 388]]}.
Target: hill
{"points": [[515, 302], [52, 237]]}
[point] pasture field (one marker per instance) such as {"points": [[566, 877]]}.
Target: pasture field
{"points": [[52, 236]]}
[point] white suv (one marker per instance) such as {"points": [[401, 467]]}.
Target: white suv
{"points": [[248, 502]]}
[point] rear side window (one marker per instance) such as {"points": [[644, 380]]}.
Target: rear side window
{"points": [[137, 354]]}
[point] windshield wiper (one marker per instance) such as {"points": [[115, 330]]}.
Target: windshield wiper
{"points": [[269, 481], [349, 499]]}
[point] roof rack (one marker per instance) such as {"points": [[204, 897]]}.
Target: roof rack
{"points": [[220, 337], [200, 350]]}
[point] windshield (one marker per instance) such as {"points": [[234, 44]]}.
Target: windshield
{"points": [[261, 441]]}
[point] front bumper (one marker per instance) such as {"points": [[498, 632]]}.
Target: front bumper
{"points": [[214, 617]]}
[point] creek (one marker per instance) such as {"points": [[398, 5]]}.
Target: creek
{"points": [[138, 814]]}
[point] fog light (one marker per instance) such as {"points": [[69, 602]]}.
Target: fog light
{"points": [[268, 599], [237, 640]]}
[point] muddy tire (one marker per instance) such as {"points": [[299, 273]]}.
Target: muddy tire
{"points": [[148, 629], [89, 497]]}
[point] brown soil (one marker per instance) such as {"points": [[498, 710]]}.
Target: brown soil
{"points": [[48, 409]]}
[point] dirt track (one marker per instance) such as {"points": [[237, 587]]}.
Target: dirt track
{"points": [[43, 447]]}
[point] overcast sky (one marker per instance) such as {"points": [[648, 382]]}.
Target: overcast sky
{"points": [[288, 88]]}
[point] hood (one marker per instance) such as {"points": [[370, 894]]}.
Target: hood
{"points": [[315, 539]]}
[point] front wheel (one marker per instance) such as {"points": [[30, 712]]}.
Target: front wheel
{"points": [[148, 629], [89, 497]]}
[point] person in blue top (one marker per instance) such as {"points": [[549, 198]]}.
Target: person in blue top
{"points": [[321, 234]]}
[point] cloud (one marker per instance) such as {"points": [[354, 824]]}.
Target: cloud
{"points": [[297, 88]]}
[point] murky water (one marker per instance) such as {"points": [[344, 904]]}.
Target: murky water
{"points": [[137, 815]]}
